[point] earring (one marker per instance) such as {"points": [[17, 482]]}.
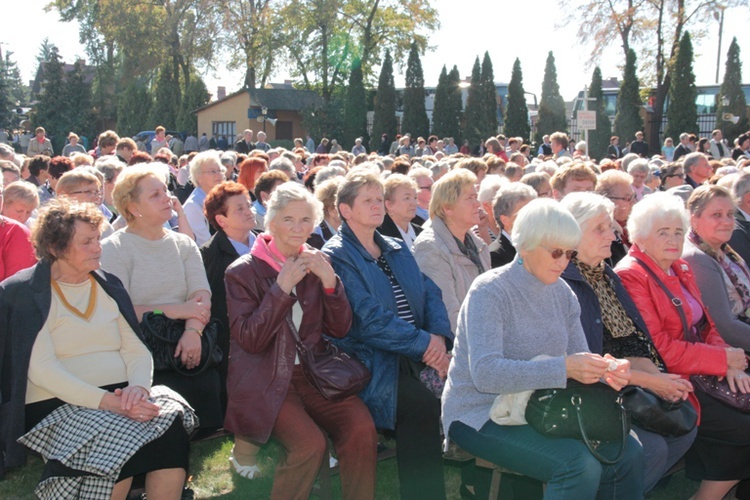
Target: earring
{"points": [[520, 261]]}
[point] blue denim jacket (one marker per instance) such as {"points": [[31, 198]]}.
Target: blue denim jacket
{"points": [[378, 335]]}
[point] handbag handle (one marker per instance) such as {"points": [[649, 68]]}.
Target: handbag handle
{"points": [[189, 373], [590, 445], [675, 301]]}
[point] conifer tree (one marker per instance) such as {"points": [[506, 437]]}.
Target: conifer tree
{"points": [[456, 105], [76, 101], [682, 114], [628, 118], [489, 97], [166, 98], [384, 120], [516, 113], [473, 127], [599, 137], [355, 108], [50, 111], [731, 91], [6, 102], [415, 114], [551, 106], [130, 116], [195, 96], [441, 112]]}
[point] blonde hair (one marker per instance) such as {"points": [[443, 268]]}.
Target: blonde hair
{"points": [[395, 181], [127, 189], [447, 190], [21, 191], [74, 179]]}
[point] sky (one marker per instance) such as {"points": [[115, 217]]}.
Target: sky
{"points": [[526, 30]]}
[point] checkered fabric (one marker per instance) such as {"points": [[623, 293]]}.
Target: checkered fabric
{"points": [[99, 443]]}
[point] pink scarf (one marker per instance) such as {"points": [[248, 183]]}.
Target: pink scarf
{"points": [[266, 250]]}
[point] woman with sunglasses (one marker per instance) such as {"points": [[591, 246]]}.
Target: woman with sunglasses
{"points": [[519, 330], [672, 176]]}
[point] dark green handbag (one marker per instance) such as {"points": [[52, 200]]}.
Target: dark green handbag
{"points": [[589, 412]]}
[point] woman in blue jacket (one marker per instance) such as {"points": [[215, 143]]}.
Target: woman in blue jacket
{"points": [[400, 327]]}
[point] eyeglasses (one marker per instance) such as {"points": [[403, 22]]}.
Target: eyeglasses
{"points": [[90, 192], [428, 188], [627, 199], [559, 252], [681, 176], [214, 172]]}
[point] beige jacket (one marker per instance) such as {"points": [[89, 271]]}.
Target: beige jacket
{"points": [[440, 259]]}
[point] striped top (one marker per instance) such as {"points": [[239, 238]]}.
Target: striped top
{"points": [[403, 309]]}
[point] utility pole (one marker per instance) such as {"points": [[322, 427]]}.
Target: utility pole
{"points": [[719, 17]]}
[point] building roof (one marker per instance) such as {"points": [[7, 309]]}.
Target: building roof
{"points": [[284, 99], [37, 84]]}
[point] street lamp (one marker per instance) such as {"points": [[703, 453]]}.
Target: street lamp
{"points": [[719, 16], [264, 112]]}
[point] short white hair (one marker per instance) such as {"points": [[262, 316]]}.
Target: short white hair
{"points": [[586, 206], [544, 221], [654, 209], [229, 158], [204, 158], [549, 167], [508, 196], [288, 192], [639, 165], [285, 165], [328, 172], [490, 185], [417, 171]]}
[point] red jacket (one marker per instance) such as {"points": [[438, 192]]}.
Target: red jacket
{"points": [[262, 349], [663, 320]]}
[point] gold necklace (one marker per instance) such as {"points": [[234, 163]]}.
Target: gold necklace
{"points": [[92, 300]]}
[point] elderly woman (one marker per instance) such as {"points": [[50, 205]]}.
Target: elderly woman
{"points": [[110, 167], [400, 209], [325, 192], [617, 187], [206, 171], [447, 251], [284, 284], [508, 201], [672, 175], [722, 275], [70, 337], [501, 334], [540, 182], [84, 187], [490, 229], [162, 271], [720, 456], [229, 211], [20, 199], [16, 253], [613, 325], [399, 326]]}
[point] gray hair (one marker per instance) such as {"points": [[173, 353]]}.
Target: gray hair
{"points": [[416, 172], [201, 159], [110, 166], [7, 153], [288, 192], [354, 181], [535, 179], [285, 166], [229, 158], [638, 165], [691, 160], [684, 136], [654, 209], [489, 187], [586, 206], [549, 167], [627, 159], [544, 221], [327, 173], [741, 187], [508, 196], [611, 178]]}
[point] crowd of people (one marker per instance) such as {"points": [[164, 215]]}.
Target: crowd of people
{"points": [[458, 280]]}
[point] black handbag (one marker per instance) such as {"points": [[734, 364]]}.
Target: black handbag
{"points": [[589, 412], [650, 412], [162, 334], [708, 384], [333, 372]]}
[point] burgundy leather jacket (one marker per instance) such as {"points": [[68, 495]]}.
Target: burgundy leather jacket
{"points": [[262, 350]]}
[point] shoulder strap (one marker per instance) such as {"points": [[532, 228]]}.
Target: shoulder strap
{"points": [[675, 301]]}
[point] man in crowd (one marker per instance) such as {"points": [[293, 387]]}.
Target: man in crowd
{"points": [[262, 144], [545, 149], [358, 148], [683, 148], [639, 146], [245, 144], [191, 143], [718, 147], [697, 169], [125, 149], [559, 144]]}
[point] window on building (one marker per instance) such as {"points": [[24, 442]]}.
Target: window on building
{"points": [[284, 131], [224, 128]]}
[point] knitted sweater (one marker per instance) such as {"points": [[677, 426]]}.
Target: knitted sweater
{"points": [[509, 317]]}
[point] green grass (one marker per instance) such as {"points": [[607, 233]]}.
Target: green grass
{"points": [[212, 477]]}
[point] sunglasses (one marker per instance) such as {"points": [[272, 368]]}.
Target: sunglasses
{"points": [[556, 253]]}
